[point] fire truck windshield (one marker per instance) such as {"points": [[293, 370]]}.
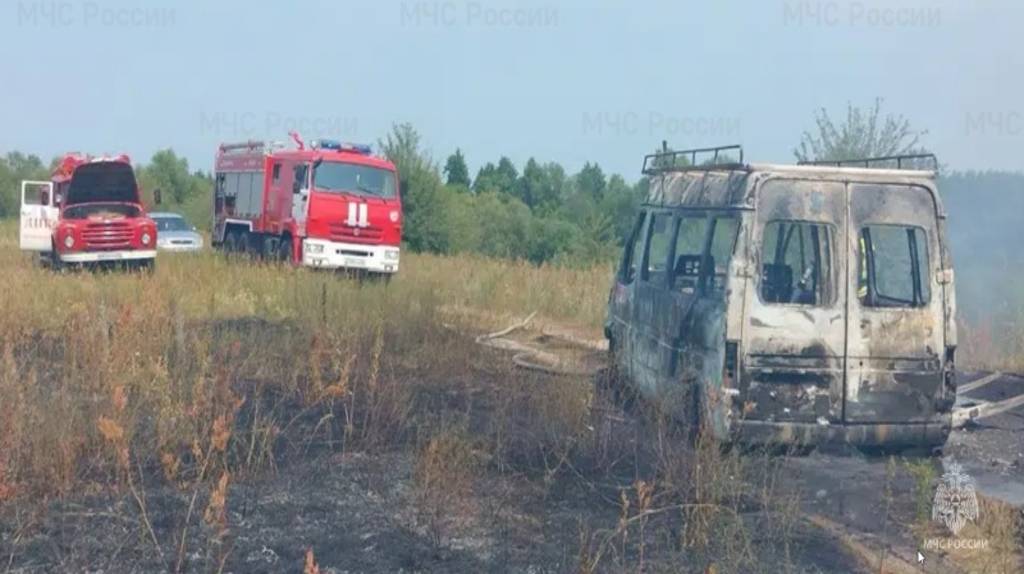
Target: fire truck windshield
{"points": [[354, 178]]}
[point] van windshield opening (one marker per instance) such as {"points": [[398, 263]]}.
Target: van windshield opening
{"points": [[333, 176]]}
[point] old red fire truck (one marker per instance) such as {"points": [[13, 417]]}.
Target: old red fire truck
{"points": [[327, 205], [90, 212]]}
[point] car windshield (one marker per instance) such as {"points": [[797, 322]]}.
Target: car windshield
{"points": [[354, 178], [172, 224]]}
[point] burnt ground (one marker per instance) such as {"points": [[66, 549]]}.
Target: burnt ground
{"points": [[875, 501], [992, 450], [358, 512]]}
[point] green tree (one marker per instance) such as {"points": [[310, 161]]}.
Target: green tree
{"points": [[424, 197], [456, 171], [591, 181], [168, 173], [620, 203], [15, 167], [863, 134], [499, 178], [540, 186]]}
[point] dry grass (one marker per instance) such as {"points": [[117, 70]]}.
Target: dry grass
{"points": [[166, 358], [211, 372]]}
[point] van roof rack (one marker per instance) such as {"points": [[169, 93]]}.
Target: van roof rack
{"points": [[666, 159], [866, 162]]}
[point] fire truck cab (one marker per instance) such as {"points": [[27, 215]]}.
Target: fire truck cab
{"points": [[90, 212], [329, 205]]}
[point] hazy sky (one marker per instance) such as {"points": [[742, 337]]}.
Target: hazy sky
{"points": [[567, 81]]}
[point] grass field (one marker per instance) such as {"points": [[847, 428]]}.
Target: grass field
{"points": [[154, 413]]}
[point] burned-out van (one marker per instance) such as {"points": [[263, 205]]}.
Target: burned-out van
{"points": [[790, 304]]}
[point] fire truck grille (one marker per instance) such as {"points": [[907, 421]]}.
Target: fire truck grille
{"points": [[349, 234], [113, 235]]}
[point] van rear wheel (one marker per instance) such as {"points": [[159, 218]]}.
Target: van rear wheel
{"points": [[611, 383]]}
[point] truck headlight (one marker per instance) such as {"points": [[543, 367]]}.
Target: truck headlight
{"points": [[315, 247], [146, 238], [391, 254], [69, 241]]}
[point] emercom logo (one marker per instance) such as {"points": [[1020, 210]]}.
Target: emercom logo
{"points": [[956, 502]]}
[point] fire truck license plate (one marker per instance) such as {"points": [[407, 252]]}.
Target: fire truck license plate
{"points": [[108, 256], [353, 262]]}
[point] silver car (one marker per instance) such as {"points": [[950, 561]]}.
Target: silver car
{"points": [[175, 233]]}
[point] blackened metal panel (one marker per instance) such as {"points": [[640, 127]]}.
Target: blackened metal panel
{"points": [[793, 353], [894, 365], [701, 189]]}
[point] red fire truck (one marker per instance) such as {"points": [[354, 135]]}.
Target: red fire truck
{"points": [[329, 205], [90, 212]]}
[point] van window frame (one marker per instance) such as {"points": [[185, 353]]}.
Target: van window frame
{"points": [[643, 270], [710, 217], [923, 270], [709, 272], [629, 249], [836, 281]]}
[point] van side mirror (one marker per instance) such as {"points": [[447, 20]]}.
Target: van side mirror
{"points": [[157, 196], [44, 197]]}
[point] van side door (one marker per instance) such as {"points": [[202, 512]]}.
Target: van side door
{"points": [[619, 325], [896, 334], [702, 252], [651, 301]]}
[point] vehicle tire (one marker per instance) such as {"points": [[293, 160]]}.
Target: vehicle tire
{"points": [[231, 242], [244, 243], [269, 248], [612, 383], [147, 267], [284, 249], [56, 264]]}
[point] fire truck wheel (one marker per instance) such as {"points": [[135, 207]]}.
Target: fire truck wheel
{"points": [[231, 241], [243, 243], [284, 249]]}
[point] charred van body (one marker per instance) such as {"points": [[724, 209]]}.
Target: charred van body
{"points": [[790, 304]]}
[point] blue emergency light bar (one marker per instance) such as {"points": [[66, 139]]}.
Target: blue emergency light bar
{"points": [[338, 146]]}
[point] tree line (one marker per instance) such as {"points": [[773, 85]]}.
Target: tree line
{"points": [[536, 212]]}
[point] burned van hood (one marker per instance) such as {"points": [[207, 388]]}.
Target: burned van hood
{"points": [[103, 181]]}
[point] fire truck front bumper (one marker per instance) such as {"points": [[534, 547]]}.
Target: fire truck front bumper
{"points": [[101, 256], [324, 254]]}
